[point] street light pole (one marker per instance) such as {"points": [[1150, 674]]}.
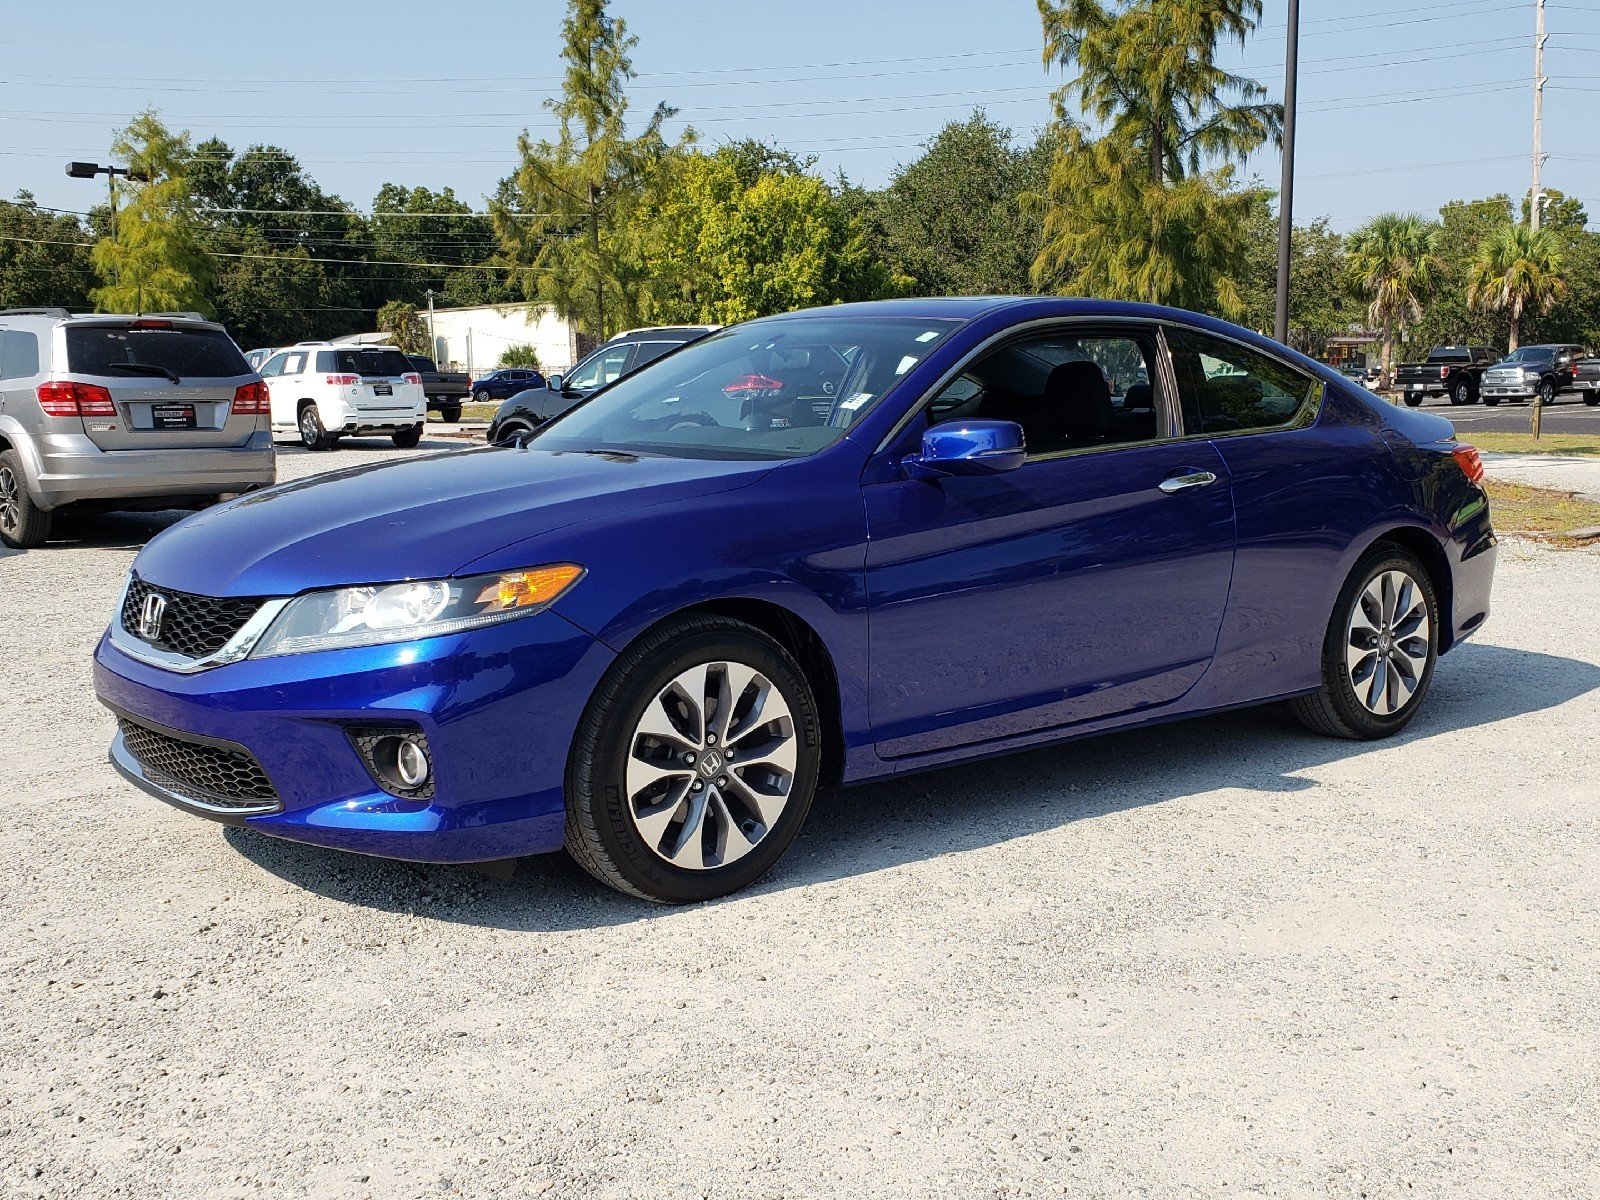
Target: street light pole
{"points": [[433, 341], [86, 170], [1291, 74]]}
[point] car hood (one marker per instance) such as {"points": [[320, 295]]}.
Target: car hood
{"points": [[1537, 364], [416, 519]]}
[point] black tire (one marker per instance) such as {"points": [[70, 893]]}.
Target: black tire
{"points": [[450, 413], [1547, 393], [407, 439], [482, 396], [312, 434], [23, 524], [1591, 399], [600, 831], [1334, 709], [1413, 399], [1462, 393], [1492, 401], [510, 431]]}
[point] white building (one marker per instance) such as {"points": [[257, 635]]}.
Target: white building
{"points": [[473, 339]]}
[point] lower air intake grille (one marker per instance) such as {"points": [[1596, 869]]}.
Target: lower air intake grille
{"points": [[215, 776]]}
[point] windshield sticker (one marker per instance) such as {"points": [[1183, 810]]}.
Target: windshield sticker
{"points": [[906, 364], [851, 403], [929, 336]]}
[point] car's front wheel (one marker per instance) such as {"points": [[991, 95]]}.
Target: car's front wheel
{"points": [[1547, 392], [482, 396], [1380, 649], [695, 762]]}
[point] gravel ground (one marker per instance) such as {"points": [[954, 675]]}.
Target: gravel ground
{"points": [[1218, 959]]}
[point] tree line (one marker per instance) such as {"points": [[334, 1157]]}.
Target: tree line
{"points": [[1130, 191]]}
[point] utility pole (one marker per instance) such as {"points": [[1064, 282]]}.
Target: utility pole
{"points": [[433, 342], [1539, 80], [1291, 80]]}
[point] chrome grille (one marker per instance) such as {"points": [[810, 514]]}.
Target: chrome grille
{"points": [[191, 625], [1505, 377], [223, 777]]}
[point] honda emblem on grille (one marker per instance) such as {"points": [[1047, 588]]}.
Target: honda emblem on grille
{"points": [[155, 607]]}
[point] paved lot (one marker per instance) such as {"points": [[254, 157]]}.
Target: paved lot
{"points": [[1567, 415], [1225, 958]]}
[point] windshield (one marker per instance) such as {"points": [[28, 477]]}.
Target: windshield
{"points": [[782, 387], [1529, 354], [154, 349]]}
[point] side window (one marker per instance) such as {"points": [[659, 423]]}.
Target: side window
{"points": [[604, 367], [273, 366], [1226, 386], [650, 351], [19, 354], [1068, 389], [293, 364]]}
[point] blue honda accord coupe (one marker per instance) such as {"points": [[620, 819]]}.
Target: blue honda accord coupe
{"points": [[806, 551]]}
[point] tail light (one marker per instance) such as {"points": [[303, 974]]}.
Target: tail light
{"points": [[411, 377], [343, 380], [251, 399], [148, 324], [1471, 465], [1444, 372], [67, 399]]}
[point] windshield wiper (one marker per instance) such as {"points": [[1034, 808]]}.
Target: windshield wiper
{"points": [[144, 368]]}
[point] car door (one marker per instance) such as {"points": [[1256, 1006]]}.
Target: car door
{"points": [[281, 373], [1090, 581]]}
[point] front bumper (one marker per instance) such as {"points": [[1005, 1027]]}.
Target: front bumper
{"points": [[498, 706], [1513, 391], [70, 467]]}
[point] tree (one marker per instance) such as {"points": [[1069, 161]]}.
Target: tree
{"points": [[1449, 319], [1517, 269], [578, 195], [1322, 307], [1147, 74], [44, 257], [727, 244], [520, 356], [402, 323], [156, 259], [1140, 202], [1394, 268], [422, 226], [953, 221]]}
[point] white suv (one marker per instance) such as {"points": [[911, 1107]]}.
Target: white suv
{"points": [[327, 391]]}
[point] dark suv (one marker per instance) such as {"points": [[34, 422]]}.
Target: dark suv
{"points": [[1544, 372], [508, 381], [622, 355]]}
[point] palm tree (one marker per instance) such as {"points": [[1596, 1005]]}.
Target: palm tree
{"points": [[1517, 268], [1394, 265]]}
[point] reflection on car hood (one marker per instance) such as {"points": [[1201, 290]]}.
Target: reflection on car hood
{"points": [[414, 519]]}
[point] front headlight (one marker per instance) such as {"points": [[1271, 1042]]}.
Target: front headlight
{"points": [[403, 612]]}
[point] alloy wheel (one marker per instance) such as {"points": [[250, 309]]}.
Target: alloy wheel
{"points": [[1388, 642], [710, 765], [309, 432], [10, 501]]}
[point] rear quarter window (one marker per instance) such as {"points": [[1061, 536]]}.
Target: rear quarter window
{"points": [[199, 353], [19, 354]]}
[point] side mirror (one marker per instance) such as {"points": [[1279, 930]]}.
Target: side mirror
{"points": [[968, 448], [556, 383]]}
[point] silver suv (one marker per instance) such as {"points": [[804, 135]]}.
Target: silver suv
{"points": [[105, 412]]}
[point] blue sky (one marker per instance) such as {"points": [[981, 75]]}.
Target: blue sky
{"points": [[1401, 107]]}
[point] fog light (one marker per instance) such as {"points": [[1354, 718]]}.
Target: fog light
{"points": [[398, 758], [411, 764]]}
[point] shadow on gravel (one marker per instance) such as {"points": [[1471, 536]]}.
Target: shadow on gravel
{"points": [[856, 831], [111, 531]]}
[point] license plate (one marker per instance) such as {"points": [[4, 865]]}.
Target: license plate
{"points": [[172, 416], [382, 389]]}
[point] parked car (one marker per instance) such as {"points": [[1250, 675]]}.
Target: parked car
{"points": [[1586, 380], [1529, 372], [1454, 371], [122, 412], [445, 389], [627, 352], [258, 356], [650, 633], [505, 383], [326, 391]]}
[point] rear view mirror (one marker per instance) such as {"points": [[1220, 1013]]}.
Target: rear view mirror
{"points": [[968, 448]]}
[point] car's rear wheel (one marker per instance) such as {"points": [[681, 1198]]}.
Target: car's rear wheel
{"points": [[1379, 652], [1413, 399], [450, 413], [312, 435], [407, 439], [23, 524], [1461, 394], [695, 763]]}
